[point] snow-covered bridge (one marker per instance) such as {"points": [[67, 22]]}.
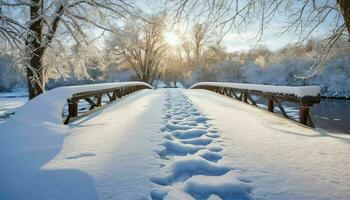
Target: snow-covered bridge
{"points": [[171, 144]]}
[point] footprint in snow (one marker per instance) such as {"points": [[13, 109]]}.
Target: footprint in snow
{"points": [[81, 155], [184, 169], [192, 148]]}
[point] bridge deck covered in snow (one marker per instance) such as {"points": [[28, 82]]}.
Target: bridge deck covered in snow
{"points": [[173, 144]]}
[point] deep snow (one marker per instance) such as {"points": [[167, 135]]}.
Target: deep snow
{"points": [[282, 160], [171, 143]]}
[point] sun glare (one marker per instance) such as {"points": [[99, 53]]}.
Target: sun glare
{"points": [[171, 38]]}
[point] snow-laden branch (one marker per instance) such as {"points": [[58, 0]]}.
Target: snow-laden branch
{"points": [[33, 32], [303, 18]]}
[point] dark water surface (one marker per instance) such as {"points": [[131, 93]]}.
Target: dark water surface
{"points": [[332, 114]]}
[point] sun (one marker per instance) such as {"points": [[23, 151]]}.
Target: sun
{"points": [[171, 38]]}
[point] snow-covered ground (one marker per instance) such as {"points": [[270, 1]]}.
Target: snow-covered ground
{"points": [[281, 159], [173, 144]]}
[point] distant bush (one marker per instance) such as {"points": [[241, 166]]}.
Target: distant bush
{"points": [[10, 75]]}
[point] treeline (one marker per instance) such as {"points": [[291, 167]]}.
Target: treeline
{"points": [[75, 42], [138, 51], [288, 66]]}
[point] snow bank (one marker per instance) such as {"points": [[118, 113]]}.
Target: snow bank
{"points": [[34, 136], [300, 92], [87, 150], [43, 116]]}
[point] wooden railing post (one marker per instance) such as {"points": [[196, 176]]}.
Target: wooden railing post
{"points": [[127, 90], [119, 93], [99, 101], [72, 108], [114, 96], [303, 114], [270, 105], [245, 96]]}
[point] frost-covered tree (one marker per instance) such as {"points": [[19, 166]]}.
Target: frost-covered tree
{"points": [[302, 17], [140, 45], [173, 68], [31, 27], [202, 48]]}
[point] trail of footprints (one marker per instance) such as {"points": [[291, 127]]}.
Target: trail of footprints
{"points": [[192, 154]]}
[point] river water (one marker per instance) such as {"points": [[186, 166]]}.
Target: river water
{"points": [[332, 115]]}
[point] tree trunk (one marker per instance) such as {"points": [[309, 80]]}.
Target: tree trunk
{"points": [[345, 9], [35, 50], [35, 87]]}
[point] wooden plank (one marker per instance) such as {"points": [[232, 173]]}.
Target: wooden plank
{"points": [[240, 96], [281, 108], [110, 97], [92, 103], [83, 95], [251, 99], [234, 94]]}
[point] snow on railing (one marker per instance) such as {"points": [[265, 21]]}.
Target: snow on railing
{"points": [[48, 107], [305, 96], [298, 91], [94, 96]]}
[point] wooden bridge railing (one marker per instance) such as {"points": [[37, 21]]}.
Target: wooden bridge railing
{"points": [[94, 98], [274, 95]]}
